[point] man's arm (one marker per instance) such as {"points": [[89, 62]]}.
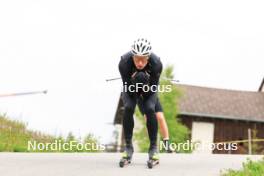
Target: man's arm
{"points": [[154, 77], [124, 74]]}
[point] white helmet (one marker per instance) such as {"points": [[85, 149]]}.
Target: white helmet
{"points": [[141, 47]]}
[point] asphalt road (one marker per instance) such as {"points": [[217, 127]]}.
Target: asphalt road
{"points": [[102, 164]]}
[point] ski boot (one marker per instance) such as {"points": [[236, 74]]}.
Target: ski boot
{"points": [[127, 156], [153, 157]]}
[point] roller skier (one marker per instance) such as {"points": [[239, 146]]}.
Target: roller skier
{"points": [[140, 71]]}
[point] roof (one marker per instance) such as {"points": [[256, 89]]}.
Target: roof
{"points": [[215, 103], [221, 103]]}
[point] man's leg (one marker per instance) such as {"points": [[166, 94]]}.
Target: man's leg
{"points": [[163, 125], [161, 120], [128, 120], [152, 123]]}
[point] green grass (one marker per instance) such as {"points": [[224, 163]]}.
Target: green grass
{"points": [[14, 137], [250, 168]]}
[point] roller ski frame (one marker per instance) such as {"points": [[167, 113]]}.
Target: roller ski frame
{"points": [[153, 157], [127, 156], [152, 162], [124, 162]]}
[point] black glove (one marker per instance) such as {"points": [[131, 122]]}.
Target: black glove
{"points": [[141, 77]]}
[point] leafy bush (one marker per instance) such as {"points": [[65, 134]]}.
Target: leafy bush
{"points": [[250, 168]]}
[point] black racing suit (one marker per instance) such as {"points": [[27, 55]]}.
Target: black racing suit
{"points": [[147, 101]]}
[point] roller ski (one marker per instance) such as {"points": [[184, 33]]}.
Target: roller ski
{"points": [[127, 156], [153, 157]]}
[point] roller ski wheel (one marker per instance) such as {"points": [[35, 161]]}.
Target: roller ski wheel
{"points": [[151, 163], [124, 161]]}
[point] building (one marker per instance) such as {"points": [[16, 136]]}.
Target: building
{"points": [[218, 115]]}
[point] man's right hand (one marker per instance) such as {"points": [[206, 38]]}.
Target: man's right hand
{"points": [[140, 77]]}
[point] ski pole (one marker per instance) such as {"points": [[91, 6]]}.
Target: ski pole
{"points": [[113, 79], [24, 93]]}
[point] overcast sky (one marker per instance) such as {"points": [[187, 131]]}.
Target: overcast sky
{"points": [[71, 47]]}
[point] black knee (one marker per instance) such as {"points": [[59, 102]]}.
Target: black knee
{"points": [[149, 109], [129, 108]]}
